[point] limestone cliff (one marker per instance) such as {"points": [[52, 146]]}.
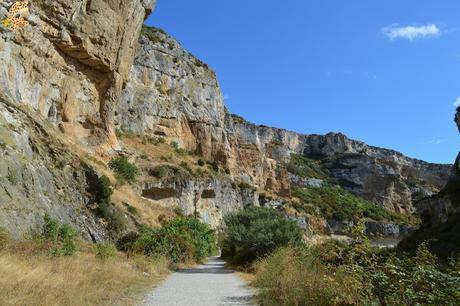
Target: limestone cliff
{"points": [[79, 69], [172, 94], [438, 208], [440, 215], [70, 62], [63, 70]]}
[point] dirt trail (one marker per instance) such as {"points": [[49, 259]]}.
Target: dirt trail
{"points": [[206, 285]]}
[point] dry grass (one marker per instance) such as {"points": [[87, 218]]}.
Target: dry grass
{"points": [[79, 280], [148, 212], [294, 277]]}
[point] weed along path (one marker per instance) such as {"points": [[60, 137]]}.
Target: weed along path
{"points": [[210, 284]]}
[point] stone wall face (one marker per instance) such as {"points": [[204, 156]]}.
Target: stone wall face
{"points": [[70, 62], [172, 94], [64, 69]]}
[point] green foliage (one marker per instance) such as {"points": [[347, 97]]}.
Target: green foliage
{"points": [[105, 251], [200, 63], [294, 276], [178, 149], [153, 140], [182, 239], [238, 119], [335, 202], [442, 239], [124, 168], [355, 275], [256, 232], [305, 167], [213, 165], [12, 178], [153, 34], [115, 218], [102, 191], [133, 210], [60, 238], [201, 162], [160, 171]]}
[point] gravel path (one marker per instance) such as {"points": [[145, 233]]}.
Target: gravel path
{"points": [[206, 285]]}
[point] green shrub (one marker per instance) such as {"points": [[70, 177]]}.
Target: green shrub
{"points": [[201, 162], [153, 34], [213, 165], [178, 149], [60, 238], [306, 168], [160, 171], [153, 140], [12, 178], [133, 210], [105, 251], [256, 232], [293, 276], [124, 168], [305, 276], [182, 239]]}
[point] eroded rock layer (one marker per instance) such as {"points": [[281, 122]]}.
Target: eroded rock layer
{"points": [[172, 94]]}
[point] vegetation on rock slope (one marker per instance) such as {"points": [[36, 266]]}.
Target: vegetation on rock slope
{"points": [[334, 202], [293, 273]]}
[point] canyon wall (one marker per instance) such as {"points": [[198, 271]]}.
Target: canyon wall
{"points": [[81, 70], [60, 77], [174, 95]]}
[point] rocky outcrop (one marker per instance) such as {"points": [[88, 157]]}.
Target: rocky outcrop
{"points": [[209, 199], [65, 70], [438, 208], [172, 94], [39, 175], [70, 62]]}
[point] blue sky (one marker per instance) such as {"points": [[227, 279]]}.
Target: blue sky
{"points": [[384, 72]]}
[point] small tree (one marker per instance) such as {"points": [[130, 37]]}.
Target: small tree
{"points": [[124, 168], [256, 232]]}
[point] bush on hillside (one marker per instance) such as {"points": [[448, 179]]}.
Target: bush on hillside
{"points": [[304, 276], [183, 239], [256, 232], [306, 168], [60, 239], [105, 251], [124, 169], [335, 202]]}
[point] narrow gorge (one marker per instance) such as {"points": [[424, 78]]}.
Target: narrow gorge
{"points": [[85, 82]]}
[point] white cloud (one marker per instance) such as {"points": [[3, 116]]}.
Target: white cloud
{"points": [[457, 102], [412, 32]]}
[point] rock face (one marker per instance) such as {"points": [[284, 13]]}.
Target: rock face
{"points": [[38, 176], [438, 208], [172, 94], [69, 64], [65, 70], [78, 70], [209, 199]]}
